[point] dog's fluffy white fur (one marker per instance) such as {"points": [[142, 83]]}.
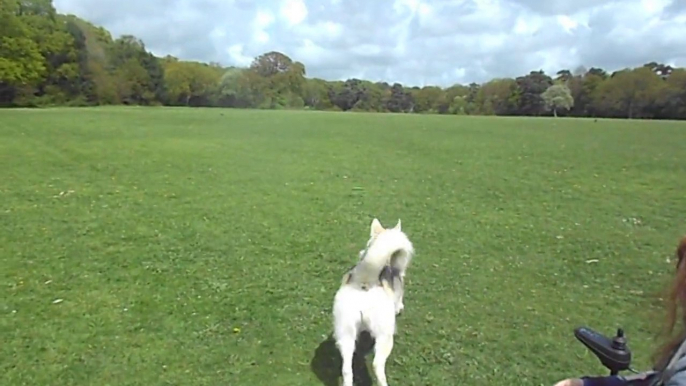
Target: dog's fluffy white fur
{"points": [[371, 296]]}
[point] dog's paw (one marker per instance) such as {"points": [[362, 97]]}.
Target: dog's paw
{"points": [[399, 308]]}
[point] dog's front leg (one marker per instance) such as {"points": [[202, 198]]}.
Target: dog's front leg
{"points": [[382, 349]]}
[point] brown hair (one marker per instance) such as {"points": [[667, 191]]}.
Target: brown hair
{"points": [[676, 305]]}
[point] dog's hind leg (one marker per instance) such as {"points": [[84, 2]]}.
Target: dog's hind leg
{"points": [[346, 346], [382, 350], [398, 292], [399, 306]]}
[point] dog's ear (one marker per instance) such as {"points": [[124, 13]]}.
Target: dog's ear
{"points": [[376, 228], [398, 226]]}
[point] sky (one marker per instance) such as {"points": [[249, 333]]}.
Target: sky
{"points": [[413, 42]]}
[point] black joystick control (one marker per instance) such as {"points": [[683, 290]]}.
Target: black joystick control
{"points": [[619, 341], [612, 353]]}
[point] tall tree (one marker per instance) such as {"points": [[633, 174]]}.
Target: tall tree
{"points": [[529, 90], [497, 97], [563, 76], [629, 93], [271, 63], [399, 100], [673, 96], [346, 94], [430, 99], [558, 97]]}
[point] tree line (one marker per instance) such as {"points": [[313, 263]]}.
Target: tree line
{"points": [[48, 59]]}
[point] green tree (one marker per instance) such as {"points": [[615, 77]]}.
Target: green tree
{"points": [[563, 76], [558, 97], [496, 97], [629, 93], [139, 73], [22, 63], [315, 94], [430, 99], [372, 99], [191, 83], [673, 96], [529, 90]]}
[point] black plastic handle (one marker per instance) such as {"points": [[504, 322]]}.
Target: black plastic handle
{"points": [[612, 353]]}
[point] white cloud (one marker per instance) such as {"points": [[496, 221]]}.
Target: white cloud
{"points": [[526, 26], [400, 6], [369, 50], [309, 49], [237, 57], [567, 23], [408, 41], [294, 11], [263, 19], [320, 30], [654, 7]]}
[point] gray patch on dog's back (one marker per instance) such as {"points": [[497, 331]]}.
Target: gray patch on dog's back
{"points": [[389, 274]]}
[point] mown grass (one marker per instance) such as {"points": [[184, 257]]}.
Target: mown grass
{"points": [[159, 246]]}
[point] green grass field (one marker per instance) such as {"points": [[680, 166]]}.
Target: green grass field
{"points": [[159, 246]]}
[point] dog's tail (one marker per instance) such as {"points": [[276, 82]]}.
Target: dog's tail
{"points": [[389, 247]]}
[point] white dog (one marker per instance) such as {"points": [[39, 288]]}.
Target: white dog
{"points": [[371, 296]]}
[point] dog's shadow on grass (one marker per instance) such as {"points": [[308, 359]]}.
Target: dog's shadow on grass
{"points": [[326, 363]]}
